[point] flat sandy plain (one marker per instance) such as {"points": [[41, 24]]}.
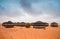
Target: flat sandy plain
{"points": [[29, 33]]}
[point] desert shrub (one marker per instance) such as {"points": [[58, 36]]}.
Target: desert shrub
{"points": [[27, 25]]}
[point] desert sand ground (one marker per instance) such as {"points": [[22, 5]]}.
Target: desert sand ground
{"points": [[29, 33]]}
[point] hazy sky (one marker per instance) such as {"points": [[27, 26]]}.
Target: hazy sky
{"points": [[30, 10]]}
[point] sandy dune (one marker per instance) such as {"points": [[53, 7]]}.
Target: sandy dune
{"points": [[29, 33]]}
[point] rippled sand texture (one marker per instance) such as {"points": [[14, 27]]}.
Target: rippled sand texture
{"points": [[29, 33]]}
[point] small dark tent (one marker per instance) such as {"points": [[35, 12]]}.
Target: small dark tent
{"points": [[8, 24], [54, 24]]}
